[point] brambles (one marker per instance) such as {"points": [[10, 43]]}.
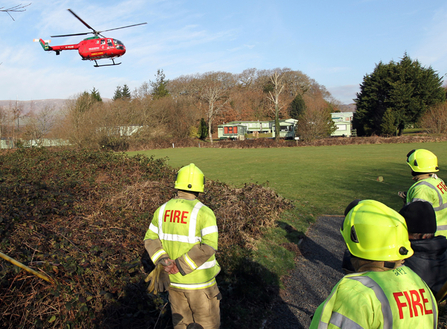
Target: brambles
{"points": [[80, 216], [243, 213], [55, 217]]}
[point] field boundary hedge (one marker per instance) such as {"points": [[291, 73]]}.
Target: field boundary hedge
{"points": [[161, 143]]}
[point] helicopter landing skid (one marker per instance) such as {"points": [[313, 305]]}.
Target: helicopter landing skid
{"points": [[97, 65]]}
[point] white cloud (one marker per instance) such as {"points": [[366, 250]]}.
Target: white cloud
{"points": [[344, 94]]}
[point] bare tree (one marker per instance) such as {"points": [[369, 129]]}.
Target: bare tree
{"points": [[277, 88], [143, 91], [435, 119], [247, 78], [15, 9], [16, 115], [213, 88], [315, 122], [3, 121], [40, 124], [297, 83], [78, 125]]}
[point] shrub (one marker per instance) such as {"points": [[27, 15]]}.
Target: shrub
{"points": [[80, 217], [435, 119], [113, 143]]}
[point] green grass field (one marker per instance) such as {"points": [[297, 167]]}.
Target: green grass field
{"points": [[326, 177], [320, 180]]}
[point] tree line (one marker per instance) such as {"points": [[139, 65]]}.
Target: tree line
{"points": [[193, 106], [393, 97]]}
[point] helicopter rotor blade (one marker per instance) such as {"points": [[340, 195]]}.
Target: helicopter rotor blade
{"points": [[122, 27], [70, 35], [91, 28]]}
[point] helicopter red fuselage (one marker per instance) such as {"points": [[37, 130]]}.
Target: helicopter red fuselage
{"points": [[95, 48]]}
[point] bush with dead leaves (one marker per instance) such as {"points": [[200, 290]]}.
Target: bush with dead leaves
{"points": [[80, 216]]}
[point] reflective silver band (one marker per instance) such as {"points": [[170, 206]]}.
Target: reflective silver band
{"points": [[344, 322], [442, 205], [380, 294]]}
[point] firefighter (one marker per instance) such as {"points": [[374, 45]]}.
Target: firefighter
{"points": [[429, 260], [428, 186], [382, 293], [183, 238]]}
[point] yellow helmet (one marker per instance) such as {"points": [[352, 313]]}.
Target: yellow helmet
{"points": [[190, 178], [376, 232], [422, 161]]}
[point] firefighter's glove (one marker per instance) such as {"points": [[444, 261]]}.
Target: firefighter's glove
{"points": [[159, 280]]}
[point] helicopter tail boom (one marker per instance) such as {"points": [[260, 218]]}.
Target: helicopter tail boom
{"points": [[56, 49]]}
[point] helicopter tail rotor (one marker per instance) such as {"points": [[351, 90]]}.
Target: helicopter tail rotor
{"points": [[43, 43], [38, 40]]}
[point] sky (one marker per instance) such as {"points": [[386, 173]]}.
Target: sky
{"points": [[335, 43]]}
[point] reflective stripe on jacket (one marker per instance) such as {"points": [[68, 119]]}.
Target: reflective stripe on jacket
{"points": [[381, 300], [180, 224], [433, 190]]}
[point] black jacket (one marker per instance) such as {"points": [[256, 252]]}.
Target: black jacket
{"points": [[430, 261]]}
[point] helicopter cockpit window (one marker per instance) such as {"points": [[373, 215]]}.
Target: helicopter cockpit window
{"points": [[118, 44], [109, 43]]}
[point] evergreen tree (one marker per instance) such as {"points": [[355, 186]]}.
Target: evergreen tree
{"points": [[125, 92], [84, 102], [203, 129], [297, 107], [118, 93], [406, 88], [159, 89], [95, 95], [388, 126]]}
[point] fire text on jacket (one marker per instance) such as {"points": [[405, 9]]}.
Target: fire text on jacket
{"points": [[442, 187], [176, 216], [412, 302]]}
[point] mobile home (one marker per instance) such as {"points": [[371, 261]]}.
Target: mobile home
{"points": [[236, 129], [343, 122]]}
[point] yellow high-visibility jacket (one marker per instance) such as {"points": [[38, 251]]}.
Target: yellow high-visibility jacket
{"points": [[397, 299], [433, 190], [182, 226]]}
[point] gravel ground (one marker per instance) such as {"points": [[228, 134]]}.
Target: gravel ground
{"points": [[318, 269]]}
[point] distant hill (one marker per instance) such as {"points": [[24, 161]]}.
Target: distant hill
{"points": [[58, 104], [35, 106], [347, 107]]}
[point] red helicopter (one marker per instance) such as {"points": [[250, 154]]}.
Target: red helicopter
{"points": [[94, 48]]}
